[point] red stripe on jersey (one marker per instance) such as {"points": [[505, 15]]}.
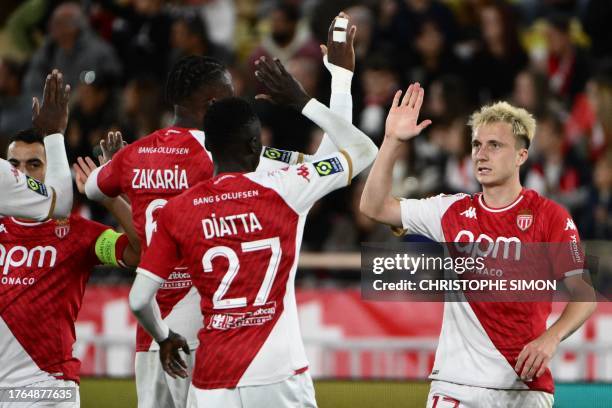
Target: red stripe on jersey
{"points": [[52, 262], [511, 325], [231, 249]]}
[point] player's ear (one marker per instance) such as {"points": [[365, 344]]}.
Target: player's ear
{"points": [[255, 145], [523, 155]]}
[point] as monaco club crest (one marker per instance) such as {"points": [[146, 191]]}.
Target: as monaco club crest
{"points": [[524, 219], [62, 228]]}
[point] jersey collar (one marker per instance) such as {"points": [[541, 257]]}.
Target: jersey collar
{"points": [[502, 209], [26, 223]]}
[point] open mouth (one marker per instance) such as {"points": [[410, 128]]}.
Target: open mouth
{"points": [[482, 170]]}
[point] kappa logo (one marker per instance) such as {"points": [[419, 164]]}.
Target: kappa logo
{"points": [[3, 228], [303, 172], [470, 213], [569, 225]]}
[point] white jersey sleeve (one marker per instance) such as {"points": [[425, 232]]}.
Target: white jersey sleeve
{"points": [[277, 159], [424, 216], [301, 185], [23, 196]]}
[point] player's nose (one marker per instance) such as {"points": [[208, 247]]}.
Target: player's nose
{"points": [[22, 168], [479, 154]]}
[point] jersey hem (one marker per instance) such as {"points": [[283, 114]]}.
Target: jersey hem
{"points": [[491, 386], [212, 385]]}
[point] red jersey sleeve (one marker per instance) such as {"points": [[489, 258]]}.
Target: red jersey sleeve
{"points": [[564, 240], [91, 231], [162, 256]]}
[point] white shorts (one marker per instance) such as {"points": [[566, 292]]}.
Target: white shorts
{"points": [[444, 394], [155, 388], [45, 385], [295, 392]]}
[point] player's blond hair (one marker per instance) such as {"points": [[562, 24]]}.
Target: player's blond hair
{"points": [[522, 122]]}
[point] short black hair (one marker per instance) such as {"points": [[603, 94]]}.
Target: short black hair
{"points": [[28, 136], [225, 123], [191, 73]]}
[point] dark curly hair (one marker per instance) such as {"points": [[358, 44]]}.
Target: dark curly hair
{"points": [[190, 74]]}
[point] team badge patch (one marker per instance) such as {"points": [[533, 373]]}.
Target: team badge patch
{"points": [[277, 154], [328, 167], [524, 219], [62, 228], [36, 186]]}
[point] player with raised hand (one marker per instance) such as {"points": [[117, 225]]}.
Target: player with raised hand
{"points": [[240, 234], [489, 353], [24, 196], [169, 161], [45, 268]]}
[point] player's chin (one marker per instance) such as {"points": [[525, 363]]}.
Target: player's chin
{"points": [[486, 180]]}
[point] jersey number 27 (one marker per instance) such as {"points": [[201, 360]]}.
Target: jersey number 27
{"points": [[273, 244]]}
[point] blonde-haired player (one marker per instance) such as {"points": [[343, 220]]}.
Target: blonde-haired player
{"points": [[494, 353]]}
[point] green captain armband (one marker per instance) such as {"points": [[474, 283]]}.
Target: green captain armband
{"points": [[106, 245]]}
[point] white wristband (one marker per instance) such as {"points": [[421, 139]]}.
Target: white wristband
{"points": [[341, 77]]}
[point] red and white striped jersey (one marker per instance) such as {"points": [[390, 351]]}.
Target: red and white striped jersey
{"points": [[240, 236], [44, 267], [480, 341], [150, 172]]}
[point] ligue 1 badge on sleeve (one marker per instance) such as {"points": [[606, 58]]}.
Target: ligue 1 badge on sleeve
{"points": [[524, 219], [62, 228]]}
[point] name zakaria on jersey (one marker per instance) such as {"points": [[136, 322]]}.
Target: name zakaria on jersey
{"points": [[240, 235], [44, 268], [480, 341], [150, 172]]}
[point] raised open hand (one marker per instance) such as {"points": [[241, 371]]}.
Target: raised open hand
{"points": [[282, 86], [341, 51], [111, 145], [402, 119], [82, 169], [52, 116]]}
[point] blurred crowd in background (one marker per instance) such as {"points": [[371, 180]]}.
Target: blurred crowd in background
{"points": [[552, 57]]}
